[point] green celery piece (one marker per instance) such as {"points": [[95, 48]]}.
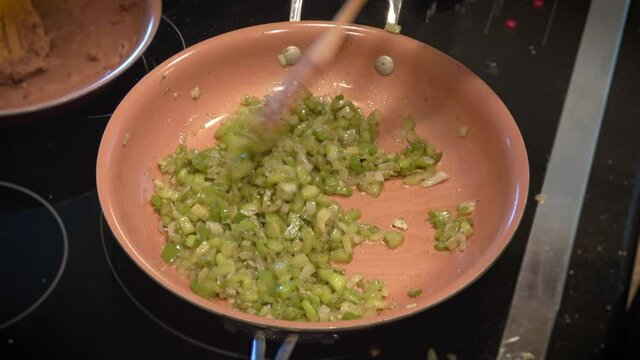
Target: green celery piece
{"points": [[170, 252], [393, 239], [340, 256], [206, 289], [350, 316], [309, 311], [335, 280]]}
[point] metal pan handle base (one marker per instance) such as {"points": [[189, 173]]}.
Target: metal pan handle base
{"points": [[284, 352]]}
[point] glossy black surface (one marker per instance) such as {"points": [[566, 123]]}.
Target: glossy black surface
{"points": [[596, 290], [36, 253], [105, 307]]}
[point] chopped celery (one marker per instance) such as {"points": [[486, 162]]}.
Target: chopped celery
{"points": [[452, 233], [206, 289], [309, 311], [353, 215], [186, 226], [156, 201], [370, 149], [393, 239], [285, 290], [344, 191], [437, 178], [322, 217], [340, 256], [309, 192], [170, 252], [190, 241], [350, 316], [251, 220], [200, 212], [367, 231], [416, 178], [335, 280], [414, 293], [466, 208]]}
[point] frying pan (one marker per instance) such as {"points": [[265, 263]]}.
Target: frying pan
{"points": [[490, 165]]}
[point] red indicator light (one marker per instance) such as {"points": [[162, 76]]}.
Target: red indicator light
{"points": [[511, 23], [538, 3]]}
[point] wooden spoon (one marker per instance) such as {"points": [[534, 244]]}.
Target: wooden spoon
{"points": [[319, 54]]}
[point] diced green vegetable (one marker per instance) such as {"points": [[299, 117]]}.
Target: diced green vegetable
{"points": [[393, 239], [452, 233], [437, 178], [353, 215], [466, 208], [337, 281], [340, 256], [200, 212], [414, 293], [350, 316], [170, 252], [186, 226], [251, 220], [190, 241], [309, 311], [309, 192], [206, 289]]}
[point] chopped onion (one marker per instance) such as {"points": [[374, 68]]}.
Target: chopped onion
{"points": [[437, 178]]}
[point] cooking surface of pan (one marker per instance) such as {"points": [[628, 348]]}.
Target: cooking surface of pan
{"points": [[489, 166]]}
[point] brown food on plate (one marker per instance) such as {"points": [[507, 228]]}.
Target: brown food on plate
{"points": [[23, 41], [54, 48]]}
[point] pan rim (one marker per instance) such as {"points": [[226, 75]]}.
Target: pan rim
{"points": [[274, 325]]}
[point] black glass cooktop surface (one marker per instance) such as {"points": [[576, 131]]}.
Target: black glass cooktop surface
{"points": [[70, 291]]}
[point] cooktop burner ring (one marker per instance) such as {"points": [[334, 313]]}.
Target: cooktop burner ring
{"points": [[63, 262], [148, 313], [150, 53], [184, 44]]}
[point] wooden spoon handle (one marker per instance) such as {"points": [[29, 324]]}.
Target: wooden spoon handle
{"points": [[319, 54]]}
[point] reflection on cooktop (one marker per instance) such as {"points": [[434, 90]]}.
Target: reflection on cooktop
{"points": [[32, 257]]}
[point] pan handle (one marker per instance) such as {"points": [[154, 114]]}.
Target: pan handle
{"points": [[296, 10], [393, 14], [259, 345], [287, 347]]}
